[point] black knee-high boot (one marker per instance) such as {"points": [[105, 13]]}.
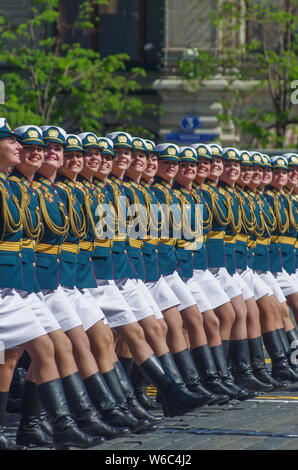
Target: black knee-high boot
{"points": [[288, 350], [189, 373], [206, 366], [82, 409], [127, 364], [242, 369], [176, 398], [65, 430], [30, 431], [281, 369], [5, 443], [135, 407], [105, 403], [236, 392], [259, 366], [137, 425], [139, 383]]}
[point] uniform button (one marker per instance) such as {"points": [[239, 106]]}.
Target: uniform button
{"points": [[90, 259], [58, 260], [125, 251], [34, 265], [192, 254], [20, 255], [156, 250]]}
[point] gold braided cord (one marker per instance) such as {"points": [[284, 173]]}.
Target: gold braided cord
{"points": [[153, 219], [184, 220], [9, 223], [58, 230], [216, 210], [248, 216], [137, 204], [77, 222], [207, 222], [236, 226], [293, 219], [119, 216], [277, 209], [199, 199], [34, 232], [100, 197], [268, 215], [174, 224], [88, 207], [260, 228]]}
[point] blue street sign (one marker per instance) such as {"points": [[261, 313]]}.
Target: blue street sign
{"points": [[190, 122], [190, 138]]}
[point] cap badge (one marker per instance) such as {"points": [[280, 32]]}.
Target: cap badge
{"points": [[138, 143], [53, 133], [32, 133], [171, 151]]}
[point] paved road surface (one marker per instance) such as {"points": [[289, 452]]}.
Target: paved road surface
{"points": [[269, 422]]}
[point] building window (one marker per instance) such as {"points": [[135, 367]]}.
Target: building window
{"points": [[134, 27]]}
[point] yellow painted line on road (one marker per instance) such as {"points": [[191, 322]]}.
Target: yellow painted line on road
{"points": [[277, 398]]}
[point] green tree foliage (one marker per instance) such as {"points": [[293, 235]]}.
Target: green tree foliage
{"points": [[48, 80], [259, 46]]}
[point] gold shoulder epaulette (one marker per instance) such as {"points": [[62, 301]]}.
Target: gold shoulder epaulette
{"points": [[161, 187], [15, 179], [222, 191], [80, 185], [60, 184]]}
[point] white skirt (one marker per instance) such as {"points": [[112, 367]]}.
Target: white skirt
{"points": [[197, 293], [162, 294], [89, 313], [226, 281], [150, 299], [43, 314], [18, 323], [133, 292], [111, 301], [271, 282], [286, 283], [246, 290], [183, 293], [211, 288], [255, 283], [62, 308]]}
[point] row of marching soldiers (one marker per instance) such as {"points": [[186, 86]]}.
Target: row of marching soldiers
{"points": [[186, 309]]}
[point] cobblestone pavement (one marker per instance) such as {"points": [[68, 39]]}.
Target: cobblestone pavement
{"points": [[269, 422]]}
